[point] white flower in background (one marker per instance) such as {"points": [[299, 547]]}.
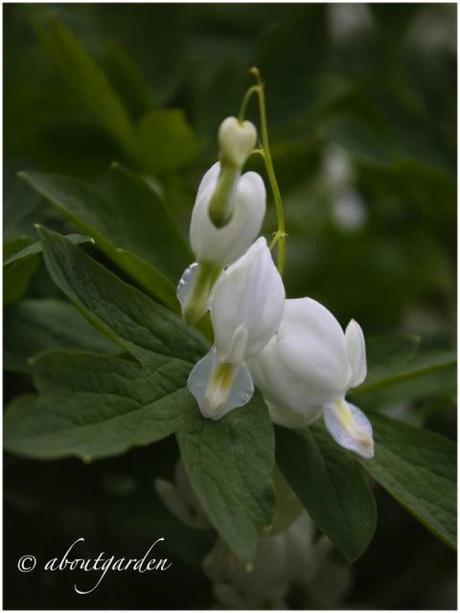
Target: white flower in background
{"points": [[308, 367], [293, 556], [181, 500], [246, 308], [349, 210]]}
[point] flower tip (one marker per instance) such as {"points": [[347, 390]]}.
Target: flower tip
{"points": [[350, 428], [365, 447]]}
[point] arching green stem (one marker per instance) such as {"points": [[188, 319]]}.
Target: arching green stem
{"points": [[280, 236]]}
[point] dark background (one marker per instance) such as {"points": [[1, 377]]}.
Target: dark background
{"points": [[362, 113]]}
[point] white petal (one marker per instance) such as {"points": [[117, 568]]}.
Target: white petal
{"points": [[214, 398], [249, 293], [312, 344], [209, 181], [224, 245], [350, 428], [289, 419], [356, 349], [305, 365], [238, 344]]}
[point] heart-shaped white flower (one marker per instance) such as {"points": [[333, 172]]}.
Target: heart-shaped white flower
{"points": [[246, 308], [308, 367]]}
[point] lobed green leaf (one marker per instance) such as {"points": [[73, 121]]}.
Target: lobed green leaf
{"points": [[95, 406], [121, 312], [32, 326], [419, 469], [17, 271], [330, 484], [128, 221], [230, 463]]}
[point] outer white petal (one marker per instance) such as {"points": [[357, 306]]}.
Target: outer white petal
{"points": [[250, 293], [290, 419], [304, 366], [217, 402], [356, 349], [209, 181], [350, 428], [224, 245], [312, 345], [290, 403]]}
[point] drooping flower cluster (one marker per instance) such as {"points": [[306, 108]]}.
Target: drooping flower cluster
{"points": [[294, 350], [290, 557]]}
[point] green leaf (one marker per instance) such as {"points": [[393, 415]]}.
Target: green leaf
{"points": [[31, 326], [86, 80], [127, 78], [20, 262], [422, 365], [29, 249], [128, 221], [21, 207], [17, 271], [387, 355], [95, 406], [330, 485], [418, 468], [230, 463], [165, 141], [121, 312]]}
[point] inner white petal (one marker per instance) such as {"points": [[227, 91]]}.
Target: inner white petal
{"points": [[219, 387], [185, 285], [349, 427]]}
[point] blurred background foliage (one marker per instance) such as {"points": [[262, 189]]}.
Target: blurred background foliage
{"points": [[362, 106]]}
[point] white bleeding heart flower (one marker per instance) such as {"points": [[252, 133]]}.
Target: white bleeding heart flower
{"points": [[307, 369], [246, 309], [236, 141], [214, 247], [222, 246]]}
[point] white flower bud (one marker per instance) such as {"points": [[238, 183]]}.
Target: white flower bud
{"points": [[246, 308], [308, 367], [224, 245], [236, 141]]}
